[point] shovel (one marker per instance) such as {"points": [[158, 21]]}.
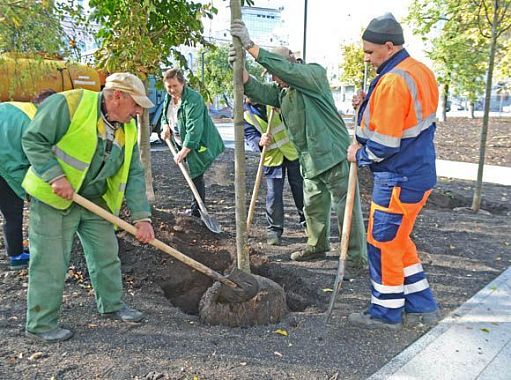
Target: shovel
{"points": [[259, 175], [346, 224], [236, 287], [209, 221]]}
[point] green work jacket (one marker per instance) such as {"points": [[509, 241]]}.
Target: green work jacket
{"points": [[53, 123], [197, 131], [307, 109], [14, 119]]}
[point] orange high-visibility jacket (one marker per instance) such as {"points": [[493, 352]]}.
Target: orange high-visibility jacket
{"points": [[397, 123]]}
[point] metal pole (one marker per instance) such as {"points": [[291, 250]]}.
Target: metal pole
{"points": [[304, 32]]}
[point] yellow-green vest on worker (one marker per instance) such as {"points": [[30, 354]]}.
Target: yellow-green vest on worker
{"points": [[74, 153], [281, 146], [27, 108]]}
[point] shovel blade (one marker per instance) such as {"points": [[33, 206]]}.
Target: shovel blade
{"points": [[210, 222], [246, 288]]}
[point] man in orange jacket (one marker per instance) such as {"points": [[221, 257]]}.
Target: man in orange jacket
{"points": [[395, 139]]}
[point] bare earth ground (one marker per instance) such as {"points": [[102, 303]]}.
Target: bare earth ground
{"points": [[461, 251]]}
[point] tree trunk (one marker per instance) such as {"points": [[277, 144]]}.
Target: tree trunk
{"points": [[443, 102], [239, 145], [144, 145], [471, 108], [476, 201]]}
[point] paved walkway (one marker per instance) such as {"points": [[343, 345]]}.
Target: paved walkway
{"points": [[473, 342]]}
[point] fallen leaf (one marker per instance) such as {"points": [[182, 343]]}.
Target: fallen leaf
{"points": [[327, 290], [485, 330], [281, 332], [35, 356]]}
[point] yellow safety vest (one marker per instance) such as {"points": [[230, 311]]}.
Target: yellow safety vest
{"points": [[74, 153], [28, 109], [281, 146]]}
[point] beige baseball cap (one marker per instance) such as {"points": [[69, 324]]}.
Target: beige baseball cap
{"points": [[130, 84]]}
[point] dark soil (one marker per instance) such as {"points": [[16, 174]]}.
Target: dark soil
{"points": [[461, 252]]}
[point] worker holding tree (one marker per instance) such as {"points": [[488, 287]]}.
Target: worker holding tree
{"points": [[302, 93], [85, 142], [281, 159], [14, 119], [395, 140], [186, 120]]}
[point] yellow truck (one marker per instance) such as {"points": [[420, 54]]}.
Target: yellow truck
{"points": [[22, 77]]}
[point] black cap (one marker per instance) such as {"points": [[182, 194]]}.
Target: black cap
{"points": [[384, 29]]}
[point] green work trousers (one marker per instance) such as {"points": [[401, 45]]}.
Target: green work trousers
{"points": [[51, 236], [320, 193]]}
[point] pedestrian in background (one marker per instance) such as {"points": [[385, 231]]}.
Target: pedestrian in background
{"points": [[14, 119], [302, 93], [186, 120], [85, 142], [395, 131], [281, 158]]}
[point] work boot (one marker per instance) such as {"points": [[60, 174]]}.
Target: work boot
{"points": [[417, 319], [309, 253], [19, 262], [53, 336], [365, 320], [125, 314], [273, 238]]}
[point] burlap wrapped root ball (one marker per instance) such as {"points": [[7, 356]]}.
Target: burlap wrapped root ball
{"points": [[268, 306]]}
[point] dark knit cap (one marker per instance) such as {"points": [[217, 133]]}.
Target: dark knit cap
{"points": [[384, 29]]}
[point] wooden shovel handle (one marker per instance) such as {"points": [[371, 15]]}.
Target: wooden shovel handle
{"points": [[187, 177], [94, 208], [259, 175]]}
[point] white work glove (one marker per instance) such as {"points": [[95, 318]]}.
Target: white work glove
{"points": [[238, 29]]}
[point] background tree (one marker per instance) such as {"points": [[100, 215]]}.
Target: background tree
{"points": [[352, 66], [218, 75], [141, 36], [448, 28], [493, 20], [474, 24], [32, 26]]}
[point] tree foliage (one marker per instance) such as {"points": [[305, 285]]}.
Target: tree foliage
{"points": [[42, 27], [470, 32], [449, 28], [353, 67], [141, 36], [218, 73]]}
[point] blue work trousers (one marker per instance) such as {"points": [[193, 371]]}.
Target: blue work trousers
{"points": [[275, 195]]}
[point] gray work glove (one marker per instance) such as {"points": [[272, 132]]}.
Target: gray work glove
{"points": [[238, 29], [231, 57]]}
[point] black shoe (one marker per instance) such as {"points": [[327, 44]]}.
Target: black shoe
{"points": [[125, 314], [53, 336]]}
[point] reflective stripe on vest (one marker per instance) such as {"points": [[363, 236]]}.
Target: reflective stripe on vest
{"points": [[116, 185], [281, 146], [74, 153], [364, 132], [27, 108]]}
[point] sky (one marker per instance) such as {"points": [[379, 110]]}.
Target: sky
{"points": [[332, 23]]}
